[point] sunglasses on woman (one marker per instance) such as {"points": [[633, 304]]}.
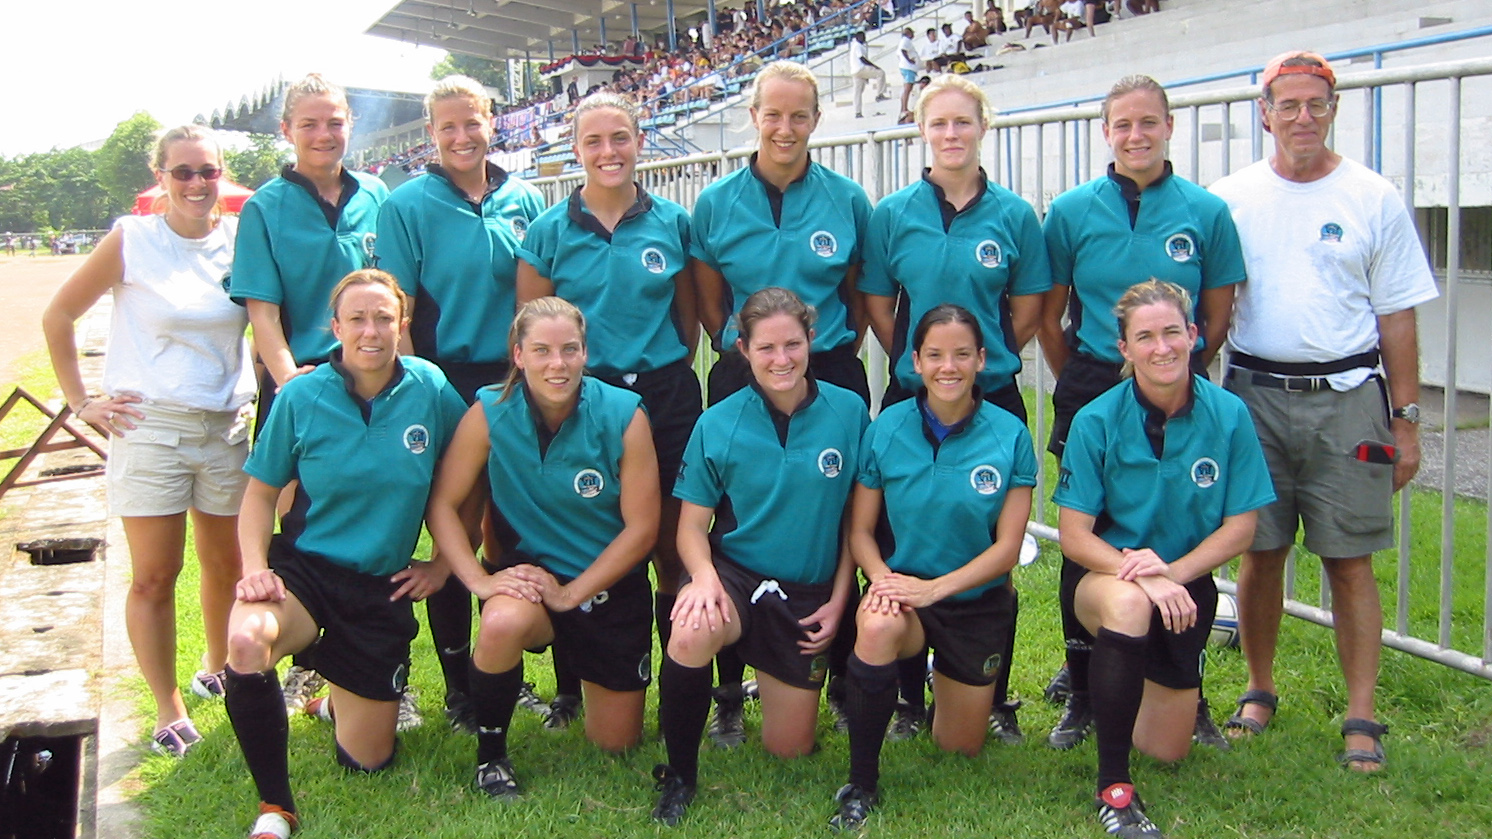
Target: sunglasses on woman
{"points": [[186, 173]]}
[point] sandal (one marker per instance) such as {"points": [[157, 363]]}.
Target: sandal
{"points": [[1263, 698], [175, 739], [1375, 730]]}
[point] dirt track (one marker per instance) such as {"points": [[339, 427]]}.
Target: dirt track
{"points": [[26, 285]]}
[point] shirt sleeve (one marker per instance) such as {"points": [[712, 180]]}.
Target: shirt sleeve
{"points": [[875, 273], [1080, 479], [869, 473], [699, 245], [699, 481], [398, 247], [540, 245], [1399, 276], [1059, 248], [860, 206], [1032, 273], [256, 275], [452, 409], [275, 454], [1249, 485], [1023, 465], [533, 202], [1222, 261]]}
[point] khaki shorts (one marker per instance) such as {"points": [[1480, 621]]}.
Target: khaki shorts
{"points": [[178, 459], [1310, 443]]}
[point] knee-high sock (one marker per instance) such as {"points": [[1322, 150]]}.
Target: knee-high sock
{"points": [[1002, 679], [256, 710], [565, 679], [662, 609], [911, 674], [449, 614], [1116, 682], [729, 668], [683, 705], [870, 698], [493, 697]]}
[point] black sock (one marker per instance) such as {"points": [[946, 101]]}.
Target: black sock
{"points": [[449, 614], [1079, 664], [256, 709], [1117, 682], [662, 608], [729, 668], [870, 698], [1002, 678], [844, 641], [683, 705], [493, 697], [911, 673], [565, 680]]}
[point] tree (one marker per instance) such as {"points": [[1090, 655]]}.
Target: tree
{"points": [[123, 162], [493, 74], [257, 164]]}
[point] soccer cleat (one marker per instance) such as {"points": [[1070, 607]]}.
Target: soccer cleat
{"points": [[1205, 733], [1122, 814], [564, 710], [273, 823], [530, 700], [907, 723], [495, 778], [208, 685], [175, 739], [855, 803], [1003, 725], [836, 707], [409, 712], [727, 728], [1076, 722], [320, 708], [460, 713], [300, 685], [751, 691], [673, 795], [1059, 687]]}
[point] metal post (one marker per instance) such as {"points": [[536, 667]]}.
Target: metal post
{"points": [[673, 29], [602, 19], [575, 42], [1452, 288], [1378, 118], [551, 50], [714, 30], [635, 31], [1227, 159], [528, 80], [1196, 149], [1406, 495]]}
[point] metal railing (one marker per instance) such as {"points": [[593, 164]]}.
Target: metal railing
{"points": [[1039, 154]]}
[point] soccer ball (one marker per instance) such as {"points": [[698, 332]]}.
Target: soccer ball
{"points": [[1225, 623]]}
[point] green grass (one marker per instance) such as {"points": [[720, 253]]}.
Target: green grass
{"points": [[24, 422]]}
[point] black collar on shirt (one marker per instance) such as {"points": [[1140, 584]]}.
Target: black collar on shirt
{"points": [[364, 406], [496, 177], [588, 221], [779, 419], [774, 195], [1130, 190], [332, 213], [956, 428], [947, 209], [1155, 418], [541, 428]]}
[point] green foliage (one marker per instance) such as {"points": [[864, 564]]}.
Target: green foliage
{"points": [[123, 162], [257, 164], [490, 73], [55, 189]]}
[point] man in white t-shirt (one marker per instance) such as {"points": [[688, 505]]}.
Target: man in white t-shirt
{"points": [[1326, 355], [930, 52], [907, 64], [865, 71]]}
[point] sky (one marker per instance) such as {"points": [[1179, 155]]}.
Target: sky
{"points": [[73, 76]]}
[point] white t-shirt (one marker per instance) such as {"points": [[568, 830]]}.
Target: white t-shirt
{"points": [[906, 47], [857, 52], [928, 50], [1325, 259], [949, 45], [175, 338]]}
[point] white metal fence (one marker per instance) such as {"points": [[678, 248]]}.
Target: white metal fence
{"points": [[1407, 123]]}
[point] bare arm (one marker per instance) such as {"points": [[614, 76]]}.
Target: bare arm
{"points": [[1398, 342], [710, 297], [1025, 316], [531, 286], [881, 312], [996, 560], [1216, 309], [686, 307], [703, 600], [460, 467], [269, 339], [256, 523], [1049, 329], [856, 301]]}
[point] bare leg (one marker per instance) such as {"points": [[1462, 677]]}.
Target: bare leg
{"points": [[1167, 717], [613, 718], [963, 715], [1358, 618], [216, 538], [1261, 588], [789, 717], [156, 544], [365, 727]]}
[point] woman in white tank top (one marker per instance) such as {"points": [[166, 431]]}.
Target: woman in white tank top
{"points": [[177, 383]]}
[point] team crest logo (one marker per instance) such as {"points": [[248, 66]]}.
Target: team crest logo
{"points": [[988, 253], [368, 254], [1331, 232], [645, 668], [1180, 247], [652, 259], [823, 243], [818, 668], [227, 281], [589, 483], [992, 665], [520, 227], [985, 479], [1204, 472], [831, 462], [417, 438], [401, 678]]}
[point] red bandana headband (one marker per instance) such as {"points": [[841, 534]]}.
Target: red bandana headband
{"points": [[1274, 69]]}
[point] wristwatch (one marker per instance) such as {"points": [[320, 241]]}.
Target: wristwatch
{"points": [[1408, 413]]}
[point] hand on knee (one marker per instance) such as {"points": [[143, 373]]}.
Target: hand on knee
{"points": [[248, 648]]}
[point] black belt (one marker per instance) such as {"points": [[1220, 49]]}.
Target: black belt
{"points": [[1291, 384], [1306, 369]]}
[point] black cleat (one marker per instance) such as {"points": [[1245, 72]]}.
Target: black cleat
{"points": [[907, 723], [1003, 725], [855, 803], [460, 713], [1205, 733], [563, 710], [1058, 688], [1076, 722], [496, 779], [727, 728], [673, 795], [1122, 814]]}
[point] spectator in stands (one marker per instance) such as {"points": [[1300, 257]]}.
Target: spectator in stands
{"points": [[1143, 7], [949, 45], [975, 35], [994, 19], [865, 71], [1045, 13], [907, 64], [930, 53]]}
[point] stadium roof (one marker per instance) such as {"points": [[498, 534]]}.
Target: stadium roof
{"points": [[498, 29]]}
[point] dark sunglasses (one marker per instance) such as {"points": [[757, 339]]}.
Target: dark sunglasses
{"points": [[186, 173]]}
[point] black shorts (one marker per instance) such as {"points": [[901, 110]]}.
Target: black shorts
{"points": [[769, 611], [672, 398], [1007, 397], [468, 378], [839, 366], [1083, 379], [969, 637], [364, 642], [608, 640], [1172, 660]]}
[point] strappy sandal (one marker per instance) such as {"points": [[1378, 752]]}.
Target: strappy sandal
{"points": [[1262, 698], [1375, 730]]}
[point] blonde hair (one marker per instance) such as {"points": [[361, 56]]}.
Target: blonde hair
{"points": [[787, 71], [953, 82], [770, 301], [313, 85], [457, 87], [1144, 294], [1132, 84], [162, 148], [370, 276], [606, 99], [541, 308]]}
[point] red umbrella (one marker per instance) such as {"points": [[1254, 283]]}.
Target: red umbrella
{"points": [[231, 195]]}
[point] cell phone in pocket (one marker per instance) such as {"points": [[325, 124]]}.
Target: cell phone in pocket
{"points": [[1369, 451]]}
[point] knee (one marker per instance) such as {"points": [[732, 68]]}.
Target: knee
{"points": [[154, 585], [693, 647], [1354, 573], [966, 743], [372, 764], [616, 739], [788, 747], [878, 635], [1169, 752], [249, 647], [503, 628], [1127, 609]]}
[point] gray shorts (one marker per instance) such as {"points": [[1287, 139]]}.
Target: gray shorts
{"points": [[177, 459], [1310, 443]]}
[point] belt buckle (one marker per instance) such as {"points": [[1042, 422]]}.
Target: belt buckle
{"points": [[1302, 384]]}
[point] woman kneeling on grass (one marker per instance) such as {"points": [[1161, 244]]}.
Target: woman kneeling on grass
{"points": [[1172, 464], [765, 482], [362, 435], [573, 474], [954, 473]]}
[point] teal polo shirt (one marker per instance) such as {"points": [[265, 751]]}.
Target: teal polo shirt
{"points": [[561, 493], [923, 251], [364, 467], [804, 239], [1108, 235], [458, 260], [1158, 483], [778, 483], [293, 248], [944, 499], [622, 280]]}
